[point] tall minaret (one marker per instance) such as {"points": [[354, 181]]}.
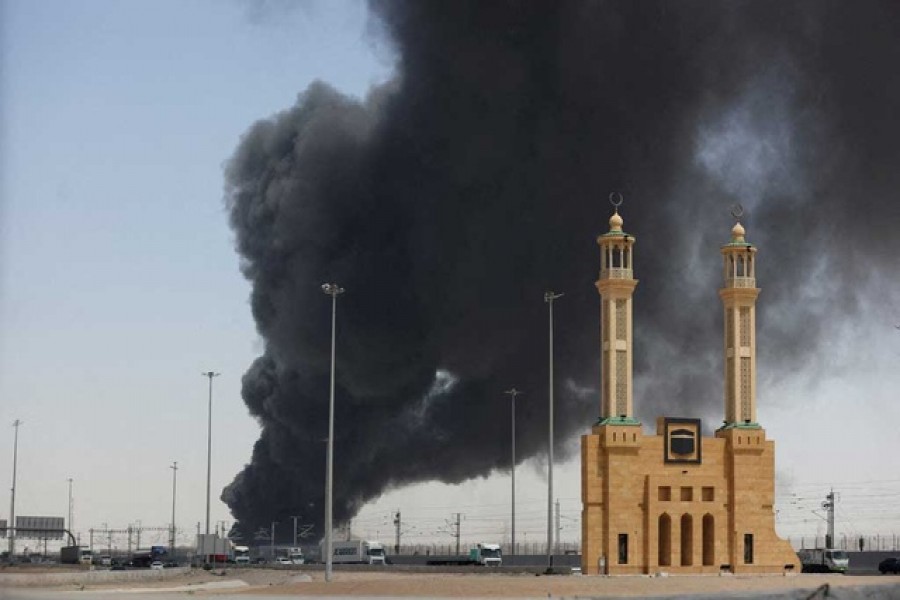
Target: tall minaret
{"points": [[738, 295], [616, 286]]}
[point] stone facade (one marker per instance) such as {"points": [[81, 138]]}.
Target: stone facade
{"points": [[676, 501]]}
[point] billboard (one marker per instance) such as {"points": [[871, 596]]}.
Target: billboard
{"points": [[3, 528], [40, 528]]}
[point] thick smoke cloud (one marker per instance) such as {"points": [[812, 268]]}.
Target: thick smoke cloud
{"points": [[450, 199]]}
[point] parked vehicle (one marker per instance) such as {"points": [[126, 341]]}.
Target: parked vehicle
{"points": [[824, 560], [356, 551], [889, 565], [296, 556], [283, 560], [156, 565]]}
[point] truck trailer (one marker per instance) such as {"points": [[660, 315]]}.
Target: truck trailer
{"points": [[355, 552], [822, 560], [75, 555], [484, 554]]}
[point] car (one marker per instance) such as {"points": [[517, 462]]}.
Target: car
{"points": [[889, 565], [284, 560], [156, 565]]}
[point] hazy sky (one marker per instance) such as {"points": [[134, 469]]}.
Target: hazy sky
{"points": [[119, 283]]}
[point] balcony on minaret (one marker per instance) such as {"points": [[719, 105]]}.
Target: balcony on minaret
{"points": [[616, 255], [740, 261]]}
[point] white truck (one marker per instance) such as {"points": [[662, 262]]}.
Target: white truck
{"points": [[355, 552], [241, 555], [821, 560], [483, 554], [296, 556], [290, 556], [486, 555]]}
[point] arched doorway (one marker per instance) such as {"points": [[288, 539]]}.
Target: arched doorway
{"points": [[665, 540], [687, 540], [709, 540]]}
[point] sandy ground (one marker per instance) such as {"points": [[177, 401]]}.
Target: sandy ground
{"points": [[445, 585]]}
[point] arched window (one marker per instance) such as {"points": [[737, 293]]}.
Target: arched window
{"points": [[687, 540], [665, 540], [709, 540]]}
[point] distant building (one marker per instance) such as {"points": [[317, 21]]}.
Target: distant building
{"points": [[676, 501]]}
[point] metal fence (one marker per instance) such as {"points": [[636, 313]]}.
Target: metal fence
{"points": [[876, 543], [535, 548]]}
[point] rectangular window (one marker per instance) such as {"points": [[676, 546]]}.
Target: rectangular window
{"points": [[709, 494], [621, 384], [748, 548], [745, 326], [665, 493], [621, 320], [623, 548], [687, 494], [745, 389]]}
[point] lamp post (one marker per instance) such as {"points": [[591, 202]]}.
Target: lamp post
{"points": [[549, 297], [210, 375], [11, 528], [174, 467], [512, 395], [333, 290]]}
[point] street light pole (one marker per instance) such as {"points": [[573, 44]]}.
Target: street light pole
{"points": [[512, 395], [549, 297], [210, 375], [11, 528], [332, 289], [174, 467]]}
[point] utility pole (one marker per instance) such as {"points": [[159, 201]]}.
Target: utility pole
{"points": [[558, 526], [549, 297], [828, 505], [295, 529], [397, 532], [92, 541], [130, 529], [174, 468], [12, 503], [457, 533], [272, 540], [512, 395], [71, 509]]}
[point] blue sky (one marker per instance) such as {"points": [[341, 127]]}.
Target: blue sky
{"points": [[118, 279], [119, 283]]}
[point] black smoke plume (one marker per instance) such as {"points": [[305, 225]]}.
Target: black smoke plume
{"points": [[452, 197]]}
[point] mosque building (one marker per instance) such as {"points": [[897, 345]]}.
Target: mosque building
{"points": [[676, 501]]}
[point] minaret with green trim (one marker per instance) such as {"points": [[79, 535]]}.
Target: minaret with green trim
{"points": [[739, 294], [616, 286]]}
